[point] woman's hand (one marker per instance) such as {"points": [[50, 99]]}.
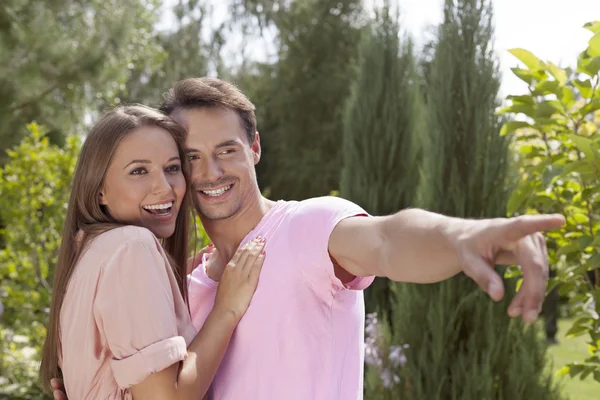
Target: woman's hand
{"points": [[240, 279], [195, 261]]}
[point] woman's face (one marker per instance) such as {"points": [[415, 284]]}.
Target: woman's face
{"points": [[144, 183]]}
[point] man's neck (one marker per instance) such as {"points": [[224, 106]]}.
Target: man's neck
{"points": [[227, 234]]}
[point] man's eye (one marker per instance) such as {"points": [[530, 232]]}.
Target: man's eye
{"points": [[193, 157]]}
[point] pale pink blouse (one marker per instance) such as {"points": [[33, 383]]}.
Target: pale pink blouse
{"points": [[122, 318]]}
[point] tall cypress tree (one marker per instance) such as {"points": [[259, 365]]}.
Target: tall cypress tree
{"points": [[462, 345], [381, 127], [317, 51]]}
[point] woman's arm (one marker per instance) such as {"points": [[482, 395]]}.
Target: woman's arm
{"points": [[205, 353]]}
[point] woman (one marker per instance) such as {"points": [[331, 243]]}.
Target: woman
{"points": [[119, 323]]}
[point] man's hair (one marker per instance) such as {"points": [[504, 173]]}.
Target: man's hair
{"points": [[211, 93]]}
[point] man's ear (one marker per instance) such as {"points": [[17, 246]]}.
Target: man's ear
{"points": [[256, 149]]}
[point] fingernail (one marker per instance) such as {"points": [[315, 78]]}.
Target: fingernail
{"points": [[514, 312], [210, 245], [531, 316], [262, 253], [495, 291]]}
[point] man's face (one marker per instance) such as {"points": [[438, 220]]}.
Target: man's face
{"points": [[222, 160]]}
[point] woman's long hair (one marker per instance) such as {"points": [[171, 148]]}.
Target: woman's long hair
{"points": [[86, 218]]}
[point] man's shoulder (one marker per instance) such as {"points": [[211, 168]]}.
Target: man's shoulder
{"points": [[328, 202], [326, 205]]}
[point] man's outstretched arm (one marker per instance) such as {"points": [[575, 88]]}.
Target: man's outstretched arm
{"points": [[424, 247]]}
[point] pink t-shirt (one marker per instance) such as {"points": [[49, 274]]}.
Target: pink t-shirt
{"points": [[302, 337], [123, 317]]}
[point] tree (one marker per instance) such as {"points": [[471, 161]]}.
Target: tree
{"points": [[184, 55], [381, 131], [317, 49], [60, 59], [459, 343], [257, 81], [34, 192], [557, 136]]}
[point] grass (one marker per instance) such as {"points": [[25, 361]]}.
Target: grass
{"points": [[570, 350]]}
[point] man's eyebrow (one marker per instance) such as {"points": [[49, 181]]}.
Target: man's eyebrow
{"points": [[227, 143], [190, 150]]}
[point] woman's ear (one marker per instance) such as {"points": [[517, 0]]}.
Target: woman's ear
{"points": [[101, 198]]}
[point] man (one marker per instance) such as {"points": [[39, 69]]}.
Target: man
{"points": [[302, 336]]}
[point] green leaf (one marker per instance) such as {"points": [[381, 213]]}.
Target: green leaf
{"points": [[575, 369], [593, 26], [586, 372], [581, 218], [585, 87], [592, 106], [517, 198], [521, 99], [593, 261], [581, 167], [593, 360], [563, 371], [584, 145], [527, 58], [512, 271], [547, 87], [570, 248], [597, 376], [594, 45], [548, 108], [558, 73], [518, 284], [525, 75], [584, 242], [549, 174], [588, 66], [512, 126], [566, 96]]}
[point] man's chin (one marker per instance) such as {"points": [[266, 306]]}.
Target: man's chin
{"points": [[214, 212]]}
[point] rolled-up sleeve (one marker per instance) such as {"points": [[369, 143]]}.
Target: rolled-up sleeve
{"points": [[136, 313]]}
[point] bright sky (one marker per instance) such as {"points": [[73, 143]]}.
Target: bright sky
{"points": [[551, 29]]}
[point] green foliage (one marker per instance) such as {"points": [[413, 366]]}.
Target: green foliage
{"points": [[381, 131], [34, 193], [257, 81], [59, 59], [459, 343], [184, 55], [467, 161], [557, 138], [317, 49]]}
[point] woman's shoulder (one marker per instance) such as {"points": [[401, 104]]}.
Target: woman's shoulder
{"points": [[125, 236], [116, 242]]}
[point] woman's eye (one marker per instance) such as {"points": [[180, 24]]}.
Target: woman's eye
{"points": [[174, 168], [139, 171]]}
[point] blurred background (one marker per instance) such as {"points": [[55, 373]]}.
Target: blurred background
{"points": [[473, 108]]}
